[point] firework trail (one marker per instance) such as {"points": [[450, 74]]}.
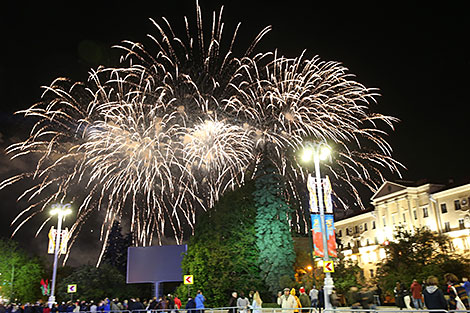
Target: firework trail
{"points": [[169, 131]]}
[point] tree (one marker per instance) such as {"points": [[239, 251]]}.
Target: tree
{"points": [[274, 240], [418, 254], [20, 274], [116, 248], [222, 253], [97, 283], [346, 275]]}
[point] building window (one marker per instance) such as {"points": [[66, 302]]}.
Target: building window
{"points": [[356, 229], [457, 205], [340, 233], [371, 273], [425, 212], [367, 241], [365, 226], [376, 241], [415, 215], [404, 218], [443, 208], [393, 219], [461, 223], [358, 243], [447, 227], [383, 220], [373, 224], [349, 245]]}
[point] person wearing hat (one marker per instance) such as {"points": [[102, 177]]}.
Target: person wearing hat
{"points": [[304, 300], [287, 301], [297, 301]]}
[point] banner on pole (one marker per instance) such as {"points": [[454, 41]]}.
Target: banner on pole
{"points": [[330, 230], [312, 190], [327, 195], [317, 236], [64, 237]]}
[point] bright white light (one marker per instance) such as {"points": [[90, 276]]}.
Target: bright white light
{"points": [[324, 153], [57, 209], [307, 154]]}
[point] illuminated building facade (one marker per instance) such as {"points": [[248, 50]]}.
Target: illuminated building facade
{"points": [[437, 207]]}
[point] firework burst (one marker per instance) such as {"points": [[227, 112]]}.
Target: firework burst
{"points": [[173, 128]]}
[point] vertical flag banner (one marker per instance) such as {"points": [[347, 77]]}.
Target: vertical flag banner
{"points": [[317, 236], [51, 245], [327, 195], [330, 230], [312, 190], [64, 237]]}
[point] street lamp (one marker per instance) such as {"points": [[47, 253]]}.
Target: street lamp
{"points": [[61, 210], [320, 152]]}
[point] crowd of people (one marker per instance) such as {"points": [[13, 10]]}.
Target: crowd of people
{"points": [[430, 295], [454, 295], [106, 305]]}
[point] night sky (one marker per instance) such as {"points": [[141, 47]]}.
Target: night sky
{"points": [[416, 53]]}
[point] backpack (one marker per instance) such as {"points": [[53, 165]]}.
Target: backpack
{"points": [[459, 306]]}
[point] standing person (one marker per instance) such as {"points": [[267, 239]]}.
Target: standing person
{"points": [[455, 290], [321, 299], [416, 294], [378, 295], [257, 303], [297, 301], [250, 298], [243, 303], [93, 307], [177, 303], [304, 300], [314, 297], [199, 300], [232, 303], [399, 295], [466, 285], [353, 298], [286, 301], [153, 304], [190, 305], [433, 296]]}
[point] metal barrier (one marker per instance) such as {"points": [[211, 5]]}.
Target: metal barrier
{"points": [[381, 309]]}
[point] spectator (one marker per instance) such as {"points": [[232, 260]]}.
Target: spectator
{"points": [[243, 303], [199, 302], [191, 305], [334, 299], [304, 300], [93, 307], [232, 303], [287, 301], [399, 295], [314, 297], [466, 285], [321, 299], [416, 295], [378, 295], [433, 296], [177, 303], [353, 298], [455, 289], [257, 303]]}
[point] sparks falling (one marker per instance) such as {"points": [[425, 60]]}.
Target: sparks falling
{"points": [[176, 125]]}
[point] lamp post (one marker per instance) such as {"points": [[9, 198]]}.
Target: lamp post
{"points": [[61, 210], [320, 152]]}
